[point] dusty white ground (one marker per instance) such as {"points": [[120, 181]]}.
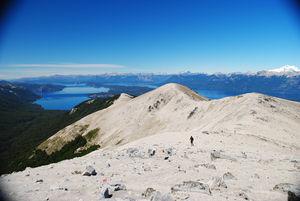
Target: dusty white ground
{"points": [[256, 137]]}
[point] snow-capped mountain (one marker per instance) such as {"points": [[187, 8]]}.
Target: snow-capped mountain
{"points": [[285, 69]]}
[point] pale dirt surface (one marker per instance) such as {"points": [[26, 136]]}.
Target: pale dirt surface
{"points": [[256, 135]]}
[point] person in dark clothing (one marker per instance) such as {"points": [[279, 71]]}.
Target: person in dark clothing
{"points": [[192, 140]]}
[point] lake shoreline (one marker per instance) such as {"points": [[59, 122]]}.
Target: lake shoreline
{"points": [[68, 97]]}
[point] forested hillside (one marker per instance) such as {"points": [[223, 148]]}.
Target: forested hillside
{"points": [[24, 125]]}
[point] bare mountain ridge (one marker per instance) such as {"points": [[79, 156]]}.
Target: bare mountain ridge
{"points": [[174, 107]]}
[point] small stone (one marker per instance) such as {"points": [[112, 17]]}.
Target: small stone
{"points": [[118, 187], [89, 171], [39, 181], [228, 175], [151, 152], [106, 192]]}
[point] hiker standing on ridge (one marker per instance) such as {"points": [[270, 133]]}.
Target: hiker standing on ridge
{"points": [[192, 140]]}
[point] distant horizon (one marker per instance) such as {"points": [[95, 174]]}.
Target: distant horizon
{"points": [[144, 73]]}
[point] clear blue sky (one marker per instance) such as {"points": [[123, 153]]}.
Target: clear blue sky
{"points": [[84, 36]]}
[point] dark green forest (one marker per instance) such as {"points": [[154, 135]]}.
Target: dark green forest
{"points": [[24, 125]]}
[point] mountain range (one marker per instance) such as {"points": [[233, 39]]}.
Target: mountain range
{"points": [[283, 82]]}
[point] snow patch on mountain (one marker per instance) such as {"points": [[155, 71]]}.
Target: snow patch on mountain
{"points": [[285, 69]]}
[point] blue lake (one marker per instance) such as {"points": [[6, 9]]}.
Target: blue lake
{"points": [[213, 94], [74, 94], [69, 97]]}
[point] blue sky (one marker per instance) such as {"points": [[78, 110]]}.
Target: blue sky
{"points": [[91, 37]]}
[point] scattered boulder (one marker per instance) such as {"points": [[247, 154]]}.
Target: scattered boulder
{"points": [[192, 186], [39, 181], [108, 189], [89, 171]]}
